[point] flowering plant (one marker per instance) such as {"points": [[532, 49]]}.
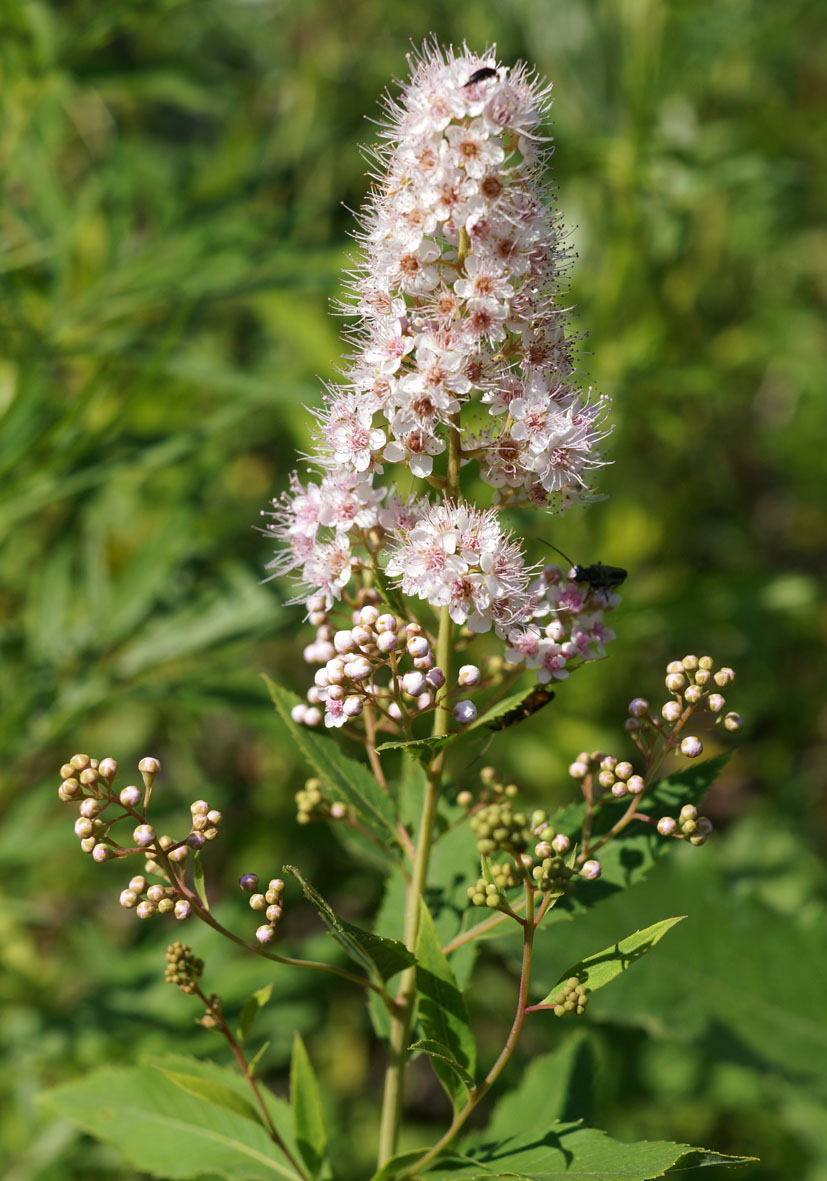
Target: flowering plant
{"points": [[460, 388]]}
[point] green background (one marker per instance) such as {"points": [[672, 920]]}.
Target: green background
{"points": [[176, 184]]}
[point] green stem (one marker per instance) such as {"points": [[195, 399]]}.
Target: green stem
{"points": [[406, 998], [508, 1049], [214, 1011]]}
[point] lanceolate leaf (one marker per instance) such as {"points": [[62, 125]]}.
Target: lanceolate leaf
{"points": [[381, 958], [513, 709], [213, 1092], [421, 749], [349, 780], [443, 1014], [251, 1010], [198, 879], [568, 1150], [308, 1121], [604, 966], [166, 1130], [436, 1050]]}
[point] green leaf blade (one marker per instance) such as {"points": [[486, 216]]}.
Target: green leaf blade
{"points": [[350, 781], [443, 1014], [595, 971], [251, 1010], [308, 1119]]}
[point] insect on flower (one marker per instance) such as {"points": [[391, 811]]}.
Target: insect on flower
{"points": [[597, 576], [480, 75]]}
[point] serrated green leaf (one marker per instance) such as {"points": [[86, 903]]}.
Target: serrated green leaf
{"points": [[443, 1014], [520, 705], [723, 976], [600, 969], [251, 1010], [198, 879], [435, 1049], [308, 1120], [569, 1150], [350, 781], [162, 1129], [419, 748], [213, 1092], [381, 958]]}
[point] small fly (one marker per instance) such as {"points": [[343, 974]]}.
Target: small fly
{"points": [[597, 577], [480, 75]]}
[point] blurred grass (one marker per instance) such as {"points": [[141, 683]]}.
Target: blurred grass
{"points": [[176, 179]]}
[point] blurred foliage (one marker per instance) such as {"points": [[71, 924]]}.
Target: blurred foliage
{"points": [[176, 179]]}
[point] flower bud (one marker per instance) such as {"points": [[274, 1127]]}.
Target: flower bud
{"points": [[578, 769], [465, 712], [80, 762], [671, 711], [395, 712], [199, 808], [693, 694], [424, 663], [128, 899], [386, 623], [387, 641], [84, 827], [338, 811], [418, 647], [145, 910], [149, 766], [343, 641], [724, 677], [733, 723], [359, 669], [180, 854], [619, 790], [667, 825], [465, 799], [543, 849], [143, 835], [196, 840], [639, 707], [102, 853], [138, 883], [715, 702], [182, 909], [606, 779], [690, 663], [560, 844], [623, 770], [156, 893], [691, 747], [298, 713], [435, 678], [265, 933], [368, 616], [107, 768], [313, 717], [676, 682], [591, 870], [88, 844], [69, 788], [352, 706], [414, 683], [688, 812], [636, 784], [363, 637], [469, 675], [131, 796], [273, 913]]}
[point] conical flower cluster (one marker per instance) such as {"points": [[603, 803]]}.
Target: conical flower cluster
{"points": [[460, 365]]}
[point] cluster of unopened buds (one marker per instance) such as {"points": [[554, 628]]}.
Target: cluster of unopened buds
{"points": [[270, 902], [91, 782], [695, 684], [380, 645], [183, 968], [499, 828]]}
